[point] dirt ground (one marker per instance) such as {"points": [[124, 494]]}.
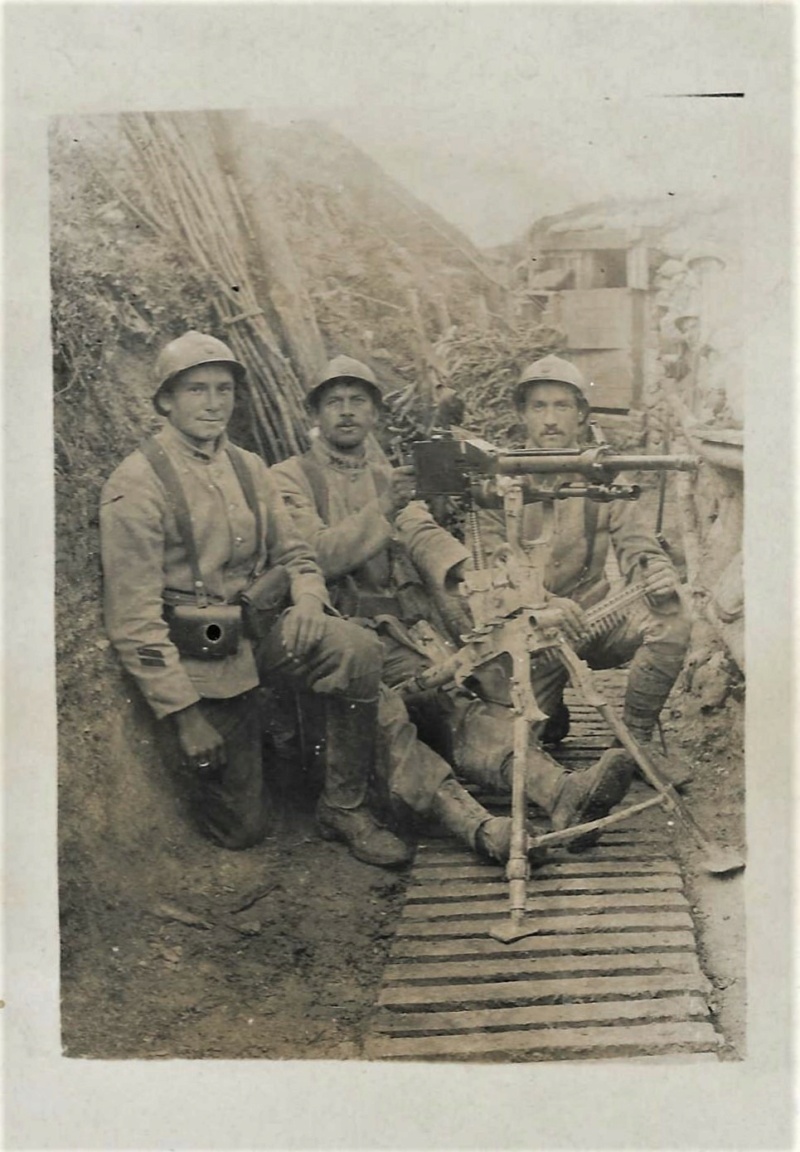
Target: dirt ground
{"points": [[175, 948], [714, 743], [280, 956]]}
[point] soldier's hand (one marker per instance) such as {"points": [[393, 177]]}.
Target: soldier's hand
{"points": [[401, 491], [573, 621], [303, 626], [660, 579], [201, 744]]}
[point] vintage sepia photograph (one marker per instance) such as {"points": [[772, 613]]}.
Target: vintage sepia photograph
{"points": [[402, 431], [399, 579]]}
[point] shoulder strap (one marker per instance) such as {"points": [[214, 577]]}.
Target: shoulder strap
{"points": [[315, 476], [165, 471], [380, 478], [590, 517], [591, 514], [318, 484], [245, 478]]}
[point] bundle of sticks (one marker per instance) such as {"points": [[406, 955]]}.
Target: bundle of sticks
{"points": [[184, 195]]}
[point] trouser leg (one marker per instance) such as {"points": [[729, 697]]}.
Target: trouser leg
{"points": [[481, 735], [416, 777], [484, 748], [482, 740], [345, 667], [346, 661], [655, 643], [400, 663], [350, 732], [231, 807], [411, 771]]}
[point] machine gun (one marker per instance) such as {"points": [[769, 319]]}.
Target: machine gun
{"points": [[449, 467], [511, 614]]}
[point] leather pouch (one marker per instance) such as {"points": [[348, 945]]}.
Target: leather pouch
{"points": [[265, 600], [210, 633]]}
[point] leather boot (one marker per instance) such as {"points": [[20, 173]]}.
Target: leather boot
{"points": [[557, 725], [342, 812], [590, 795], [672, 767], [461, 814], [577, 797]]}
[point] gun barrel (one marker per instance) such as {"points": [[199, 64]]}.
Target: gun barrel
{"points": [[533, 462]]}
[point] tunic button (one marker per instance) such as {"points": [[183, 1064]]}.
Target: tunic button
{"points": [[239, 540]]}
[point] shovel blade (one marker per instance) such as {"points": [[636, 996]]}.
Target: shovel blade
{"points": [[722, 861]]}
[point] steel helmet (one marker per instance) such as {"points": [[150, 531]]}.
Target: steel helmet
{"points": [[551, 370], [344, 368], [709, 253], [679, 319], [188, 351]]}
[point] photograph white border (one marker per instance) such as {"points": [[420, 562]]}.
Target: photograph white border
{"points": [[58, 61]]}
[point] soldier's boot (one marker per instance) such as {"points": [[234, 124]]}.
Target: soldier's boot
{"points": [[461, 814], [342, 812], [557, 725], [570, 798], [672, 767], [652, 674], [483, 752]]}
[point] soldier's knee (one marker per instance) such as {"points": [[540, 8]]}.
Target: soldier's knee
{"points": [[366, 647], [671, 630], [678, 633], [483, 739], [363, 655], [391, 708]]}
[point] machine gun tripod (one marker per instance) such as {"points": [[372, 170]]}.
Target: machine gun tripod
{"points": [[511, 615]]}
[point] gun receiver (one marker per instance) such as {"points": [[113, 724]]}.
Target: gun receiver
{"points": [[448, 467]]}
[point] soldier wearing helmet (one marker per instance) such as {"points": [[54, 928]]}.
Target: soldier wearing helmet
{"points": [[389, 565], [553, 400], [188, 523]]}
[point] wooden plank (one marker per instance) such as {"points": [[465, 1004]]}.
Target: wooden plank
{"points": [[518, 967], [590, 740], [452, 890], [520, 991], [585, 725], [428, 867], [592, 1041], [649, 838], [547, 905], [596, 943], [542, 1016], [447, 852], [562, 925], [623, 852], [446, 870], [578, 865]]}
